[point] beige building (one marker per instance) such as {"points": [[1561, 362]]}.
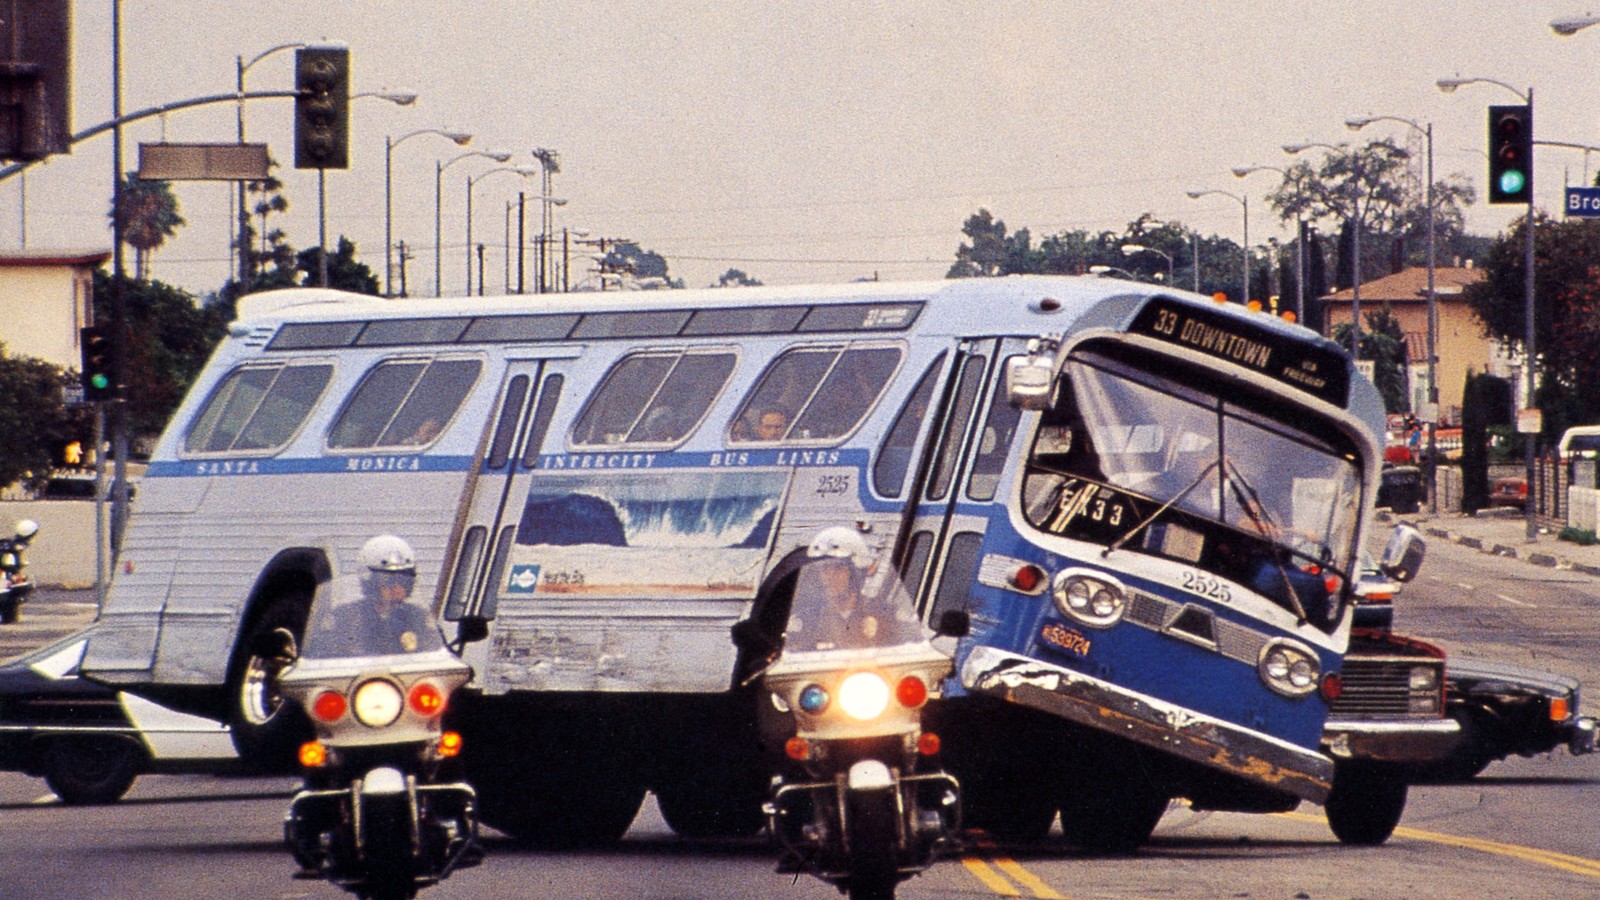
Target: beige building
{"points": [[1462, 344], [45, 297]]}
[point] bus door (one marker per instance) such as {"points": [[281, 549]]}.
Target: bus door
{"points": [[959, 477], [487, 521]]}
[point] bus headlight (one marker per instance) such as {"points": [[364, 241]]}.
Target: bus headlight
{"points": [[1289, 669], [1094, 601], [377, 703], [864, 695]]}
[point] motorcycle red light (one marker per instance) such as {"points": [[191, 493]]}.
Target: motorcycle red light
{"points": [[911, 692], [928, 743], [797, 749], [426, 699], [329, 706], [313, 755], [449, 744], [1332, 686]]}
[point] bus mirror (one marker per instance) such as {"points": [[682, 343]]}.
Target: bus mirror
{"points": [[1402, 558], [954, 623], [1028, 381], [471, 629]]}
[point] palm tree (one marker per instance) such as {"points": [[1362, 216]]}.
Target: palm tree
{"points": [[149, 217]]}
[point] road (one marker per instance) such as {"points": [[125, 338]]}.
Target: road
{"points": [[1525, 825]]}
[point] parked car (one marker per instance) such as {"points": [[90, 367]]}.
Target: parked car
{"points": [[90, 742], [1401, 488], [1509, 491]]}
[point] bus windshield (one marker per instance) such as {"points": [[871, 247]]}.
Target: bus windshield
{"points": [[1199, 471]]}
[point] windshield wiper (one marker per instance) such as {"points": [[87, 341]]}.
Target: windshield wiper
{"points": [[1260, 517], [1118, 544]]}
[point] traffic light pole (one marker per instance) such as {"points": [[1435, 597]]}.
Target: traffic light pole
{"points": [[1531, 530]]}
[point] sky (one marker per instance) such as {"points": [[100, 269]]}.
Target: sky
{"points": [[818, 141]]}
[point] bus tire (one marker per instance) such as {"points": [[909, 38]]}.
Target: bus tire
{"points": [[699, 810], [1365, 804], [1114, 822], [266, 731]]}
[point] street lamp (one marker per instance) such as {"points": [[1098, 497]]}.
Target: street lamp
{"points": [[1131, 249], [438, 205], [389, 143], [1448, 85], [1109, 270], [398, 98], [1356, 123], [1196, 195], [524, 171], [550, 164], [1355, 240], [241, 67], [1299, 243]]}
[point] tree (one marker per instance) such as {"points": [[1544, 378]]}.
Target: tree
{"points": [[35, 421], [639, 267], [738, 278], [344, 272], [149, 216], [170, 338], [1566, 312], [1384, 343], [992, 252]]}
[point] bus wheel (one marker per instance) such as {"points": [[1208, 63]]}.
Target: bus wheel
{"points": [[562, 813], [1365, 804], [707, 810], [1009, 813], [266, 732], [1115, 821]]}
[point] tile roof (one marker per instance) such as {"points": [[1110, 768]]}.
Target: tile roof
{"points": [[1410, 285]]}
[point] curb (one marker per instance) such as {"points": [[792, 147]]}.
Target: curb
{"points": [[1534, 557]]}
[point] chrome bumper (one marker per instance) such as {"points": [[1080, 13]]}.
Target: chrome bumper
{"points": [[1427, 740], [1210, 742]]}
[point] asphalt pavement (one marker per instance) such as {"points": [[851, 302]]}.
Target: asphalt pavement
{"points": [[47, 614]]}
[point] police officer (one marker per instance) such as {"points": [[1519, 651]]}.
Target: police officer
{"points": [[385, 620]]}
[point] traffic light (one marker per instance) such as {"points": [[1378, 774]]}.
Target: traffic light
{"points": [[95, 341], [322, 108], [1510, 154]]}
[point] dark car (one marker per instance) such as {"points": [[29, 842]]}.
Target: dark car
{"points": [[1401, 488], [89, 742], [1505, 709]]}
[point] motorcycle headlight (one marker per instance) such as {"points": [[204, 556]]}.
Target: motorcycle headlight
{"points": [[377, 703], [864, 695], [1096, 602], [1289, 669]]}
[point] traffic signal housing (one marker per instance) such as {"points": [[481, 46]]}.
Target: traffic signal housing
{"points": [[95, 342], [1510, 154], [322, 108]]}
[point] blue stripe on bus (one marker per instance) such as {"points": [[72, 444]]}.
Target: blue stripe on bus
{"points": [[549, 462]]}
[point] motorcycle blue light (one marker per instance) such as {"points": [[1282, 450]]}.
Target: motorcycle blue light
{"points": [[813, 698]]}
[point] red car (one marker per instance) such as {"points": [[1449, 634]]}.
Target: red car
{"points": [[1511, 491]]}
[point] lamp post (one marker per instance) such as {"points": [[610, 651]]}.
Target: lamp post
{"points": [[549, 165], [1245, 246], [1356, 123], [241, 67], [389, 143], [1109, 270], [1448, 85], [398, 98], [438, 206], [1132, 249], [1355, 218], [1299, 244], [524, 171]]}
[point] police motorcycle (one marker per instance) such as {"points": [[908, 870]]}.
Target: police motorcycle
{"points": [[862, 802], [383, 812], [15, 585]]}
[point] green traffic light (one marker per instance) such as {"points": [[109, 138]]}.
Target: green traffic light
{"points": [[99, 382], [1512, 181]]}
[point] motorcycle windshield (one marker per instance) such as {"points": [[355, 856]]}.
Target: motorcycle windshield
{"points": [[839, 606], [372, 614]]}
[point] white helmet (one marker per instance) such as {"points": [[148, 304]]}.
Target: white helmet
{"points": [[840, 542], [387, 553]]}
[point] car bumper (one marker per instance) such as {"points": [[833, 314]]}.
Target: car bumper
{"points": [[1429, 740]]}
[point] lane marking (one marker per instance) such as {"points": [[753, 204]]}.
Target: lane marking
{"points": [[983, 869], [1515, 602], [991, 879], [1465, 587], [1576, 864]]}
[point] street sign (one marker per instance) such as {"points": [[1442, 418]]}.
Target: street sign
{"points": [[203, 162], [1583, 202]]}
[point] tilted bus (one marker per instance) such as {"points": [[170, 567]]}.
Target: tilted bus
{"points": [[1149, 505]]}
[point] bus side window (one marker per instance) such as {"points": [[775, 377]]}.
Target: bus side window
{"points": [[257, 408], [652, 398], [403, 403], [540, 424], [848, 393], [894, 457], [814, 394], [505, 429], [916, 562], [960, 571], [956, 425], [771, 408], [994, 445]]}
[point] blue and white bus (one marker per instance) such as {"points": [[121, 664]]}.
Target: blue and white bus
{"points": [[1148, 504]]}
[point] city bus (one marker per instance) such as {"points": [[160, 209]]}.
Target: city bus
{"points": [[1147, 504]]}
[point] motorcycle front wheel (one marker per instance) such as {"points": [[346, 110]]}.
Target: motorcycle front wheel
{"points": [[387, 852], [872, 822]]}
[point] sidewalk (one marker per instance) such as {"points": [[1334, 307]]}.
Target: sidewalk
{"points": [[1503, 532]]}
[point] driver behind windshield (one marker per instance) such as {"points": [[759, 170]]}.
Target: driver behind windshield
{"points": [[384, 620]]}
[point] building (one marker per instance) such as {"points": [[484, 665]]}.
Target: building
{"points": [[45, 297], [1462, 344]]}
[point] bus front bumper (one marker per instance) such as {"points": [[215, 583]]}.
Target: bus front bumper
{"points": [[1181, 732]]}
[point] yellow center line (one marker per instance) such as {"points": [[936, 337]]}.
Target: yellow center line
{"points": [[991, 879], [1566, 862], [982, 870]]}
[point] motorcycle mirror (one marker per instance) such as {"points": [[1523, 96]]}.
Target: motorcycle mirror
{"points": [[954, 623], [1403, 555], [471, 629], [27, 528]]}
